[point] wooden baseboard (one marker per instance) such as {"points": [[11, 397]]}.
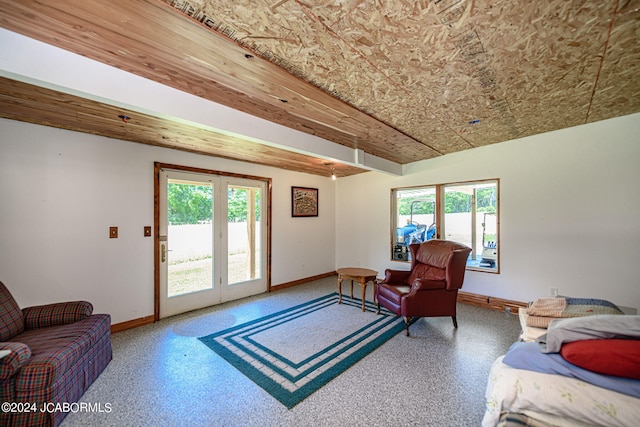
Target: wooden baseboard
{"points": [[130, 324], [483, 301], [492, 303], [301, 281]]}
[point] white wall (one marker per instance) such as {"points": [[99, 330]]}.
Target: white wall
{"points": [[60, 192], [569, 209], [569, 212]]}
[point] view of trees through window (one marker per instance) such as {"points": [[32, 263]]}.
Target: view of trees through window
{"points": [[454, 203], [457, 201], [188, 203], [191, 204]]}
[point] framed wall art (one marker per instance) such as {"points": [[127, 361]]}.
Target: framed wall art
{"points": [[304, 201]]}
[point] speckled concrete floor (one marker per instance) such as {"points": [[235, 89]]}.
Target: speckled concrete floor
{"points": [[162, 375]]}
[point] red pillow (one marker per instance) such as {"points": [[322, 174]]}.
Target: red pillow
{"points": [[617, 357]]}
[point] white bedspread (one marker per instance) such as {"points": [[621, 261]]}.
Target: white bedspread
{"points": [[519, 390]]}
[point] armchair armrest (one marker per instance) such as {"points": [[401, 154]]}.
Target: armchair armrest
{"points": [[396, 276], [11, 363], [42, 316], [427, 284]]}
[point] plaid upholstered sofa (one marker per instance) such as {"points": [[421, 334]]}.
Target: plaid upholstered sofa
{"points": [[56, 352]]}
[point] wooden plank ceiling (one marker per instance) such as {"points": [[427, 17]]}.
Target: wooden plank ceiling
{"points": [[404, 80]]}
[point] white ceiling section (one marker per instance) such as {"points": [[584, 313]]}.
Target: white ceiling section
{"points": [[40, 64]]}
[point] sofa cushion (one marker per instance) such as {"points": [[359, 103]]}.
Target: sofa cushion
{"points": [[11, 320], [57, 348]]}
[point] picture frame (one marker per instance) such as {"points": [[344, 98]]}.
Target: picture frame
{"points": [[304, 201]]}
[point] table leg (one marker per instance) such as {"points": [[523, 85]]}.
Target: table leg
{"points": [[351, 288], [363, 285], [375, 291], [339, 289]]}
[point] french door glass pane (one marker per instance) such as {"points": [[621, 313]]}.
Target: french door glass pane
{"points": [[243, 230], [189, 235]]}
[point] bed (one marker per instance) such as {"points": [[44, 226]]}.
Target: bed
{"points": [[582, 371], [535, 318]]}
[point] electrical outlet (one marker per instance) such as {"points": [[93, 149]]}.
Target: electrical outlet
{"points": [[113, 232], [147, 231], [553, 292]]}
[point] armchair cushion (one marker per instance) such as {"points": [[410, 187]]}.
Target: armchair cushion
{"points": [[396, 276], [43, 316], [394, 293], [11, 320], [426, 271], [427, 284], [437, 253], [19, 356]]}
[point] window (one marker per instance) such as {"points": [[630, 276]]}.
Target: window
{"points": [[464, 212], [415, 219], [471, 218]]}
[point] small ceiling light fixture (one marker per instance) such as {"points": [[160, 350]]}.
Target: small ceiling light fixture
{"points": [[333, 174]]}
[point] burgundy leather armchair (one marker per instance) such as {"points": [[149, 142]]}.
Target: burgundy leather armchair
{"points": [[430, 288]]}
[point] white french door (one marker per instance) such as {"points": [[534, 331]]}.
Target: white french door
{"points": [[212, 240]]}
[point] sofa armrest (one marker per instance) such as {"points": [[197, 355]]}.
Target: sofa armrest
{"points": [[427, 284], [396, 276], [11, 363], [42, 316]]}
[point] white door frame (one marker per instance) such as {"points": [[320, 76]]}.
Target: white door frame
{"points": [[224, 178]]}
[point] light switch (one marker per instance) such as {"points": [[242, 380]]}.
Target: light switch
{"points": [[113, 232]]}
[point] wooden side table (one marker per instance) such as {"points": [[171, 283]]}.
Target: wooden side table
{"points": [[360, 275]]}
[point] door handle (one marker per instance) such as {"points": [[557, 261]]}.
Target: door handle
{"points": [[164, 250]]}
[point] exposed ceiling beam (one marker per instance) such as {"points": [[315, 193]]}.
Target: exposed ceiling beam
{"points": [[37, 63]]}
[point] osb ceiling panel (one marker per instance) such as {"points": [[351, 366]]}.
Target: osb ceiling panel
{"points": [[452, 73], [404, 80], [618, 87]]}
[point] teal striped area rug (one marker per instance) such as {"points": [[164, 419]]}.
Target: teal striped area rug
{"points": [[294, 352]]}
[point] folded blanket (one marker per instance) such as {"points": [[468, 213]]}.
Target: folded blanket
{"points": [[588, 328], [547, 307], [542, 311]]}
